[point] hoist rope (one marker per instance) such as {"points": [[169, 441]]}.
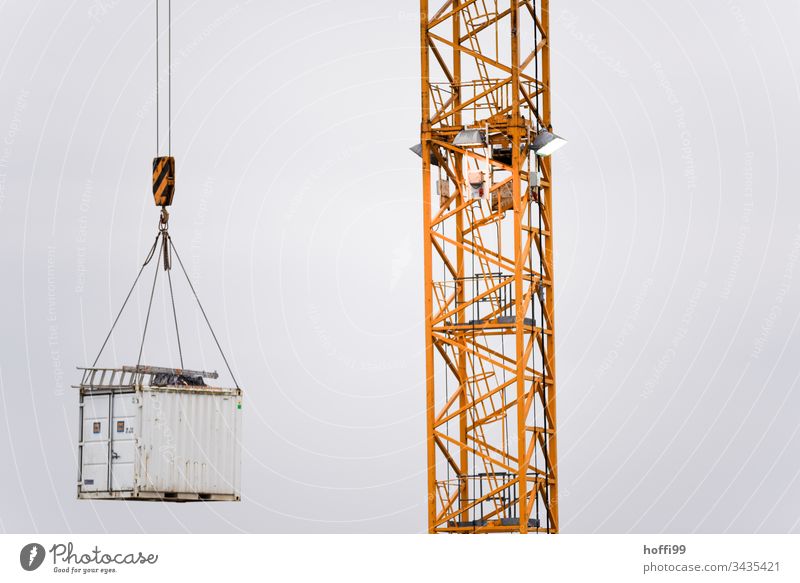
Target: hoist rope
{"points": [[167, 246], [149, 307], [158, 135], [169, 77], [202, 310], [169, 81], [174, 311], [128, 297]]}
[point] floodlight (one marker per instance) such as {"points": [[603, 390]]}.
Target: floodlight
{"points": [[418, 151], [468, 137], [545, 143]]}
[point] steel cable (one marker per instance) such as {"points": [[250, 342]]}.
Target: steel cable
{"points": [[174, 311], [128, 297], [202, 310], [149, 308]]}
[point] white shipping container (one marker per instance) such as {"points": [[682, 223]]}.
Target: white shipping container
{"points": [[162, 440]]}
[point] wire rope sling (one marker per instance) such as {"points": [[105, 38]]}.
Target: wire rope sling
{"points": [[159, 432]]}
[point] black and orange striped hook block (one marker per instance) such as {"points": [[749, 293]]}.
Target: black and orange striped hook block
{"points": [[163, 180]]}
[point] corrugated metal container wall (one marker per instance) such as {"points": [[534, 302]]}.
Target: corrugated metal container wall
{"points": [[189, 442], [167, 443]]}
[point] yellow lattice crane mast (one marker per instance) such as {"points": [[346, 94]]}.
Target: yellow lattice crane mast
{"points": [[488, 253]]}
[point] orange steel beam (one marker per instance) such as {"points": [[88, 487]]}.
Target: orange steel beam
{"points": [[551, 448], [488, 268], [425, 131]]}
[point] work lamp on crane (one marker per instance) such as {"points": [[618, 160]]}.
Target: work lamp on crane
{"points": [[546, 142]]}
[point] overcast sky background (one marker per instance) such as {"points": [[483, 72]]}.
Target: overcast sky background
{"points": [[298, 212]]}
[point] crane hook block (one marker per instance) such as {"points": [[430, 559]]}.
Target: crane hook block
{"points": [[163, 180]]}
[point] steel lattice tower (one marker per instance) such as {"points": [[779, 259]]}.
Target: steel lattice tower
{"points": [[488, 254]]}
